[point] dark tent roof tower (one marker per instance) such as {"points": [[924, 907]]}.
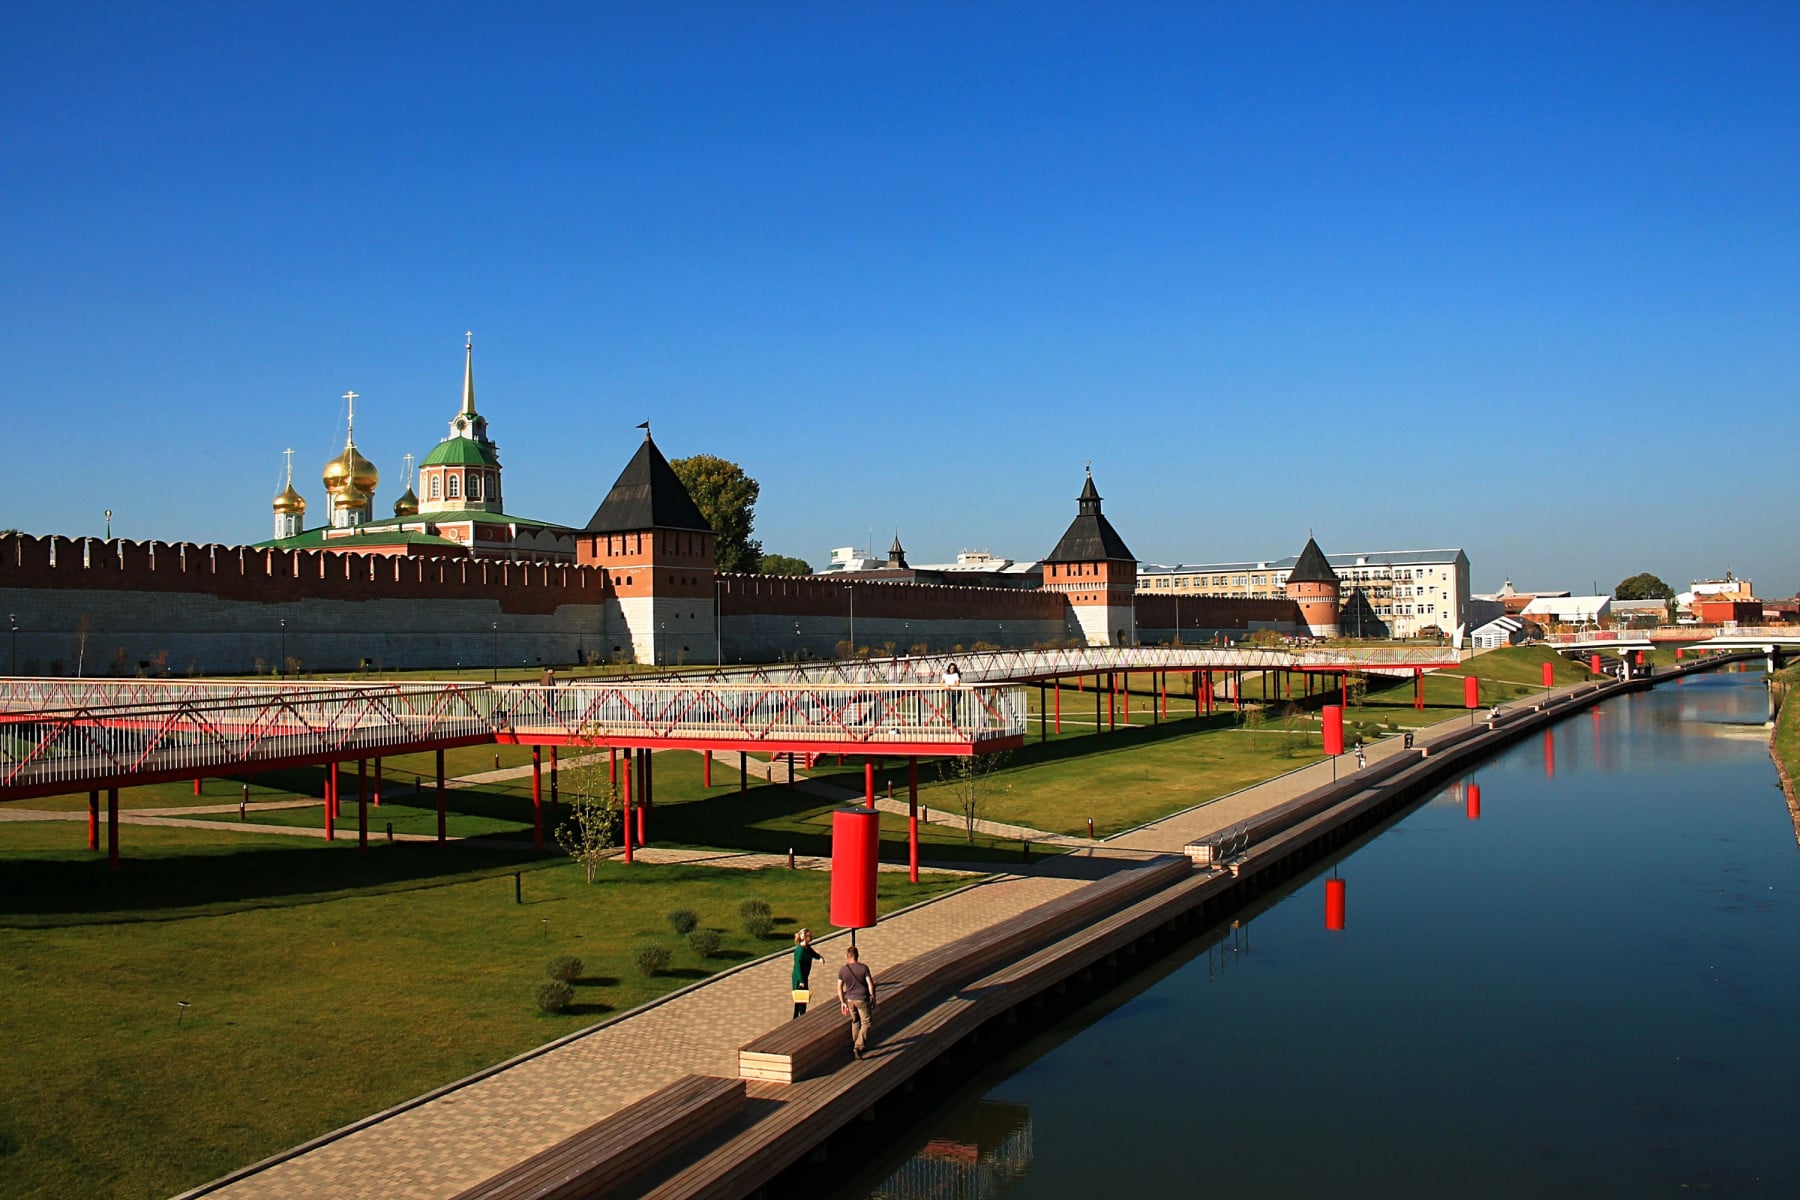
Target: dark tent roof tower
{"points": [[648, 495], [1311, 566], [1090, 536]]}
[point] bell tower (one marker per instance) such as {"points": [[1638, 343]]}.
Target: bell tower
{"points": [[1097, 571]]}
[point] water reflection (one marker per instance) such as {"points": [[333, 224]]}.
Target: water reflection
{"points": [[981, 1152], [1593, 991]]}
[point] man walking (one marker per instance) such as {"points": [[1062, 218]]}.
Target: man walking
{"points": [[856, 998]]}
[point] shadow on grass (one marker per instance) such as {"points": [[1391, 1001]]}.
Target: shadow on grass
{"points": [[65, 888], [596, 981], [589, 1009]]}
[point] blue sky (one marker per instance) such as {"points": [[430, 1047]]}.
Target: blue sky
{"points": [[1517, 278]]}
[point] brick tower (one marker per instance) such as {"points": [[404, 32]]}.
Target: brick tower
{"points": [[658, 553], [1313, 585], [1094, 568]]}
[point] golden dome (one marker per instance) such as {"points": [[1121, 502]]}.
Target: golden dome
{"points": [[407, 505], [350, 497], [290, 501], [351, 469]]}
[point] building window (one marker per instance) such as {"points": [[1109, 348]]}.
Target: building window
{"points": [[453, 488], [474, 487], [434, 487]]}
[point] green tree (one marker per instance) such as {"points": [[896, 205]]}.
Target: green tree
{"points": [[726, 497], [782, 564], [1643, 586]]}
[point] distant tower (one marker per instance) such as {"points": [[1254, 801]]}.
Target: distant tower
{"points": [[658, 552], [350, 479], [463, 473], [290, 505], [896, 554], [1094, 568], [1313, 585], [408, 503]]}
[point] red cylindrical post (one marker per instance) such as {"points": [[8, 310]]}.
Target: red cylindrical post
{"points": [[706, 768], [868, 783], [1680, 653], [362, 804], [1640, 658], [1334, 728], [912, 819], [537, 798], [1472, 801], [93, 820], [625, 832], [855, 850], [1471, 692], [1549, 674], [1334, 904], [1594, 663], [331, 783]]}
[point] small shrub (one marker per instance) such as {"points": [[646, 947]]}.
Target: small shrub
{"points": [[651, 960], [565, 967], [683, 920], [758, 925], [555, 995], [704, 942], [755, 906]]}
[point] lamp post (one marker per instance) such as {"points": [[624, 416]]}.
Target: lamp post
{"points": [[12, 666], [496, 628], [281, 667], [852, 590], [718, 621]]}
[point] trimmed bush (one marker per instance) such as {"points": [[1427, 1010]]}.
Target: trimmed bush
{"points": [[758, 925], [755, 906], [683, 920], [555, 995], [564, 967], [705, 942], [651, 960]]}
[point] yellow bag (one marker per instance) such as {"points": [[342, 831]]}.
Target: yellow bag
{"points": [[802, 996]]}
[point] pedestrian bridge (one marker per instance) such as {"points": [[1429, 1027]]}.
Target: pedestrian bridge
{"points": [[1766, 638]]}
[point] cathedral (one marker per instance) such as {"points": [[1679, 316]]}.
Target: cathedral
{"points": [[455, 507]]}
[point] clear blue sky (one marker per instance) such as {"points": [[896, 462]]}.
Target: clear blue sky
{"points": [[1524, 279]]}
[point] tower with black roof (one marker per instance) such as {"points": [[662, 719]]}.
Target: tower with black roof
{"points": [[1095, 569], [657, 550], [1313, 585]]}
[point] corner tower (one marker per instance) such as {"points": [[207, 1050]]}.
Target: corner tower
{"points": [[1094, 568], [658, 552], [1313, 585], [463, 473]]}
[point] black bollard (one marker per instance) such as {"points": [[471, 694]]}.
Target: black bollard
{"points": [[390, 826], [518, 888]]}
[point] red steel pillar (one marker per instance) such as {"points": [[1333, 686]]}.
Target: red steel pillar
{"points": [[706, 768], [196, 785], [1112, 700], [440, 796], [331, 783], [743, 772], [112, 828], [912, 819], [362, 805], [868, 783], [537, 798], [1418, 689], [625, 825], [93, 820], [376, 798]]}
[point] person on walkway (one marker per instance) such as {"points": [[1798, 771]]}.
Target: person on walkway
{"points": [[548, 678], [804, 957], [856, 999], [953, 679]]}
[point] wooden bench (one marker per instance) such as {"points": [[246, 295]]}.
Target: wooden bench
{"points": [[817, 1041], [613, 1150]]}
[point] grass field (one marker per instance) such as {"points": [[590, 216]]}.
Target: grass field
{"points": [[1786, 744], [323, 985]]}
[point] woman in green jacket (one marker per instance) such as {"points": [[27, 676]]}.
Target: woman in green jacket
{"points": [[804, 957]]}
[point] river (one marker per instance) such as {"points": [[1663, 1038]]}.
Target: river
{"points": [[1592, 989]]}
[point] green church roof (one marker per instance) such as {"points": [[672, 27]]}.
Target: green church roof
{"points": [[461, 452]]}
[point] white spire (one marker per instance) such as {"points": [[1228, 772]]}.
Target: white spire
{"points": [[468, 403]]}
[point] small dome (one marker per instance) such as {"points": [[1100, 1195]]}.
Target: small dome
{"points": [[290, 501], [407, 505], [350, 497]]}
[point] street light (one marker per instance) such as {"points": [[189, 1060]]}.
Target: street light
{"points": [[496, 628], [718, 621], [281, 667], [13, 665]]}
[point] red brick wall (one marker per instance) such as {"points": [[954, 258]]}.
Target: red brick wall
{"points": [[1211, 612], [814, 595]]}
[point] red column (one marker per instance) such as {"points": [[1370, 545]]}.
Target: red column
{"points": [[912, 819], [196, 785], [93, 820], [331, 781], [377, 795], [743, 772], [1418, 689], [362, 804], [537, 798], [553, 800], [112, 828], [440, 796], [625, 825], [1112, 700], [868, 783], [706, 768], [1058, 706]]}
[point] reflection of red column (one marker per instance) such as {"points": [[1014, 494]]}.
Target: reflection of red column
{"points": [[1334, 904], [93, 820], [1472, 801], [912, 819], [1549, 755]]}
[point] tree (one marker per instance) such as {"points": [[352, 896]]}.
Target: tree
{"points": [[1643, 586], [782, 564], [970, 780], [593, 821], [726, 497]]}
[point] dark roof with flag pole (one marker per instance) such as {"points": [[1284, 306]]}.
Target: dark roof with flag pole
{"points": [[647, 495], [1311, 566], [1090, 536]]}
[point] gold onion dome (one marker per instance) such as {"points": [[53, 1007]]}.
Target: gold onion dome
{"points": [[290, 501], [353, 470], [407, 505], [351, 497]]}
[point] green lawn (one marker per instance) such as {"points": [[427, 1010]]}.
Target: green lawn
{"points": [[323, 985], [1787, 725]]}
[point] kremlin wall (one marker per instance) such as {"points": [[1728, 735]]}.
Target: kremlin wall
{"points": [[451, 580]]}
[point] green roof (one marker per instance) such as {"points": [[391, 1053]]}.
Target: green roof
{"points": [[462, 452], [389, 530]]}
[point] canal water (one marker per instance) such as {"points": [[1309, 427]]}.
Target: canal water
{"points": [[1592, 989]]}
